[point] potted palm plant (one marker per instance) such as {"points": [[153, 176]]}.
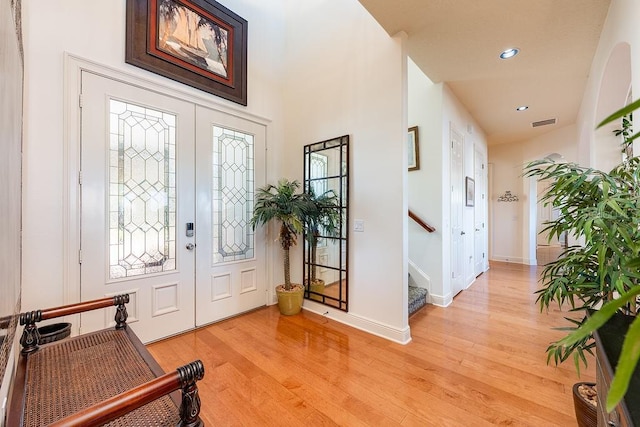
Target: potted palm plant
{"points": [[283, 204], [600, 276], [323, 220]]}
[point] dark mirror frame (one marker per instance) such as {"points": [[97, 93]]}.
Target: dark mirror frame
{"points": [[326, 167]]}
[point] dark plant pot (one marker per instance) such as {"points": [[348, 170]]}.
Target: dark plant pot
{"points": [[54, 332], [586, 413]]}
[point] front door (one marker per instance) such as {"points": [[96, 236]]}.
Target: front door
{"points": [[142, 230], [137, 192], [230, 272]]}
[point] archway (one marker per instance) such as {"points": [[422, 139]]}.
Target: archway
{"points": [[614, 93]]}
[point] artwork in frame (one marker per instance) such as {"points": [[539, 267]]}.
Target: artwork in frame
{"points": [[470, 191], [196, 42], [413, 152]]}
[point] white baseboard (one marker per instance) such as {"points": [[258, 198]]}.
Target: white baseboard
{"points": [[401, 336], [515, 260], [470, 282], [440, 300]]}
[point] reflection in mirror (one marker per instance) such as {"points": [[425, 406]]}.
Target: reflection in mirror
{"points": [[326, 179]]}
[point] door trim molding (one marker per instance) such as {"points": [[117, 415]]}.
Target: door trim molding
{"points": [[74, 66]]}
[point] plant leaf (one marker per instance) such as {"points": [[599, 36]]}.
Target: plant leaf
{"points": [[598, 318], [626, 365], [621, 112], [633, 263]]}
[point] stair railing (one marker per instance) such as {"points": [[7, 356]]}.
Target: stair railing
{"points": [[421, 223]]}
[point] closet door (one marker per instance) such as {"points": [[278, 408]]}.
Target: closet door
{"points": [[457, 214]]}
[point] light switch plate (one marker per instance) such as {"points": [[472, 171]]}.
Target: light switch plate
{"points": [[358, 225]]}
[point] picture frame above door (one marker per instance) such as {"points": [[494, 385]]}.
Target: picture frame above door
{"points": [[199, 43]]}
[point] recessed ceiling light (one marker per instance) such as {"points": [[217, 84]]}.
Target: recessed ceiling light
{"points": [[522, 108], [509, 53]]}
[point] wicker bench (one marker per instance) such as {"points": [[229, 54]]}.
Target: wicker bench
{"points": [[105, 377]]}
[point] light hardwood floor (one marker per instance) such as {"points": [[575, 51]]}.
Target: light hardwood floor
{"points": [[480, 361]]}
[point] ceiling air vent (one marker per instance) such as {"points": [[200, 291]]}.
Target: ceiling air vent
{"points": [[544, 123]]}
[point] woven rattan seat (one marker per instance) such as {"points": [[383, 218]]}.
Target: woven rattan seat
{"points": [[100, 378], [72, 375]]}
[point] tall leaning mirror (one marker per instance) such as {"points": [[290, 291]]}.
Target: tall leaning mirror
{"points": [[326, 179]]}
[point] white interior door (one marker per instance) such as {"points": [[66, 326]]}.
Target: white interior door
{"points": [[457, 206], [544, 215], [479, 214], [137, 192], [230, 165]]}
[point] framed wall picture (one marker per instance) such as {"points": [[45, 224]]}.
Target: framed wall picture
{"points": [[470, 191], [196, 42], [413, 152]]}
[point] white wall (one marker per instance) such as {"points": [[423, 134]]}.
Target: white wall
{"points": [[11, 72], [303, 77], [425, 184], [506, 223], [433, 108], [510, 224], [345, 76], [96, 31], [621, 26], [455, 115], [580, 142]]}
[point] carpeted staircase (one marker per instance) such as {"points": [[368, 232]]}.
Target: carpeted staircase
{"points": [[417, 298]]}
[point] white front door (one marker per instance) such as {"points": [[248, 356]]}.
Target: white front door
{"points": [[457, 207], [137, 192], [230, 159], [163, 218]]}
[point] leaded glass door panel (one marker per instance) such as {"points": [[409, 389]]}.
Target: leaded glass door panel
{"points": [[230, 161], [137, 194]]}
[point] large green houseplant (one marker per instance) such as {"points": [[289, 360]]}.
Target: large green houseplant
{"points": [[283, 204], [323, 220], [599, 276]]}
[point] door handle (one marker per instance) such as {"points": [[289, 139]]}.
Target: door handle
{"points": [[190, 246], [462, 233]]}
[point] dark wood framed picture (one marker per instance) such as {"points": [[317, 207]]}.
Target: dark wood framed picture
{"points": [[413, 141], [196, 42], [470, 191]]}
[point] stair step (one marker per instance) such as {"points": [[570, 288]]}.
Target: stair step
{"points": [[417, 299]]}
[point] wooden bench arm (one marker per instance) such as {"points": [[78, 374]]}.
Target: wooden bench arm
{"points": [[183, 378], [30, 336]]}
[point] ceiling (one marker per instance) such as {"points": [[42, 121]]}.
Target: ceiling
{"points": [[458, 42]]}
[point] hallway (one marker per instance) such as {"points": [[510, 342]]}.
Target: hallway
{"points": [[480, 361]]}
